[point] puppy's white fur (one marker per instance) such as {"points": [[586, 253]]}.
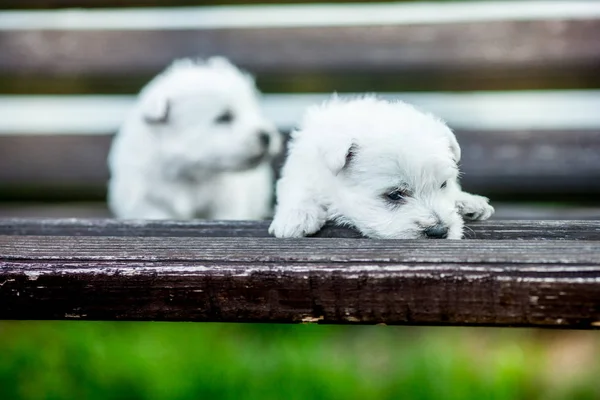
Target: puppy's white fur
{"points": [[351, 156], [195, 145]]}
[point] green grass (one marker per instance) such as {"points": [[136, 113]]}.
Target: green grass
{"points": [[90, 360]]}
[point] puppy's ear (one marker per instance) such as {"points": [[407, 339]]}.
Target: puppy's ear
{"points": [[219, 62], [156, 110], [454, 147], [339, 154]]}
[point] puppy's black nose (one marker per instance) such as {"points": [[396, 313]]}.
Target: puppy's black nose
{"points": [[438, 231], [264, 139]]}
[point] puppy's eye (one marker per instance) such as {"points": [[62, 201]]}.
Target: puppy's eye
{"points": [[225, 118], [396, 195], [444, 185]]}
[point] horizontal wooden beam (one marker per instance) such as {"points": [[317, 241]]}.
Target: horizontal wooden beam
{"points": [[488, 230], [544, 164], [490, 283], [317, 81], [426, 40], [99, 210]]}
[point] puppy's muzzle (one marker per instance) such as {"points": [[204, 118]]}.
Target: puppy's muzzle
{"points": [[438, 231]]}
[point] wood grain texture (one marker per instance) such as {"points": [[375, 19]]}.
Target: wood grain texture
{"points": [[496, 283], [54, 160], [486, 230], [560, 47], [544, 164], [99, 210], [16, 83]]}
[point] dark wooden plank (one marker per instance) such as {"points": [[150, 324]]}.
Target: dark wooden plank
{"points": [[551, 162], [540, 211], [309, 48], [96, 210], [496, 283], [557, 47], [67, 249], [543, 165], [67, 209], [320, 82], [487, 230], [54, 160]]}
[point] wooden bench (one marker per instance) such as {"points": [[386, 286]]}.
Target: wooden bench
{"points": [[541, 274], [518, 82]]}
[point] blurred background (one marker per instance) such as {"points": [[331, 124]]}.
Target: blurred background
{"points": [[518, 82], [93, 360]]}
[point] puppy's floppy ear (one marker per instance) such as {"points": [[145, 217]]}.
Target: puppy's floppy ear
{"points": [[156, 110], [338, 154], [219, 62], [454, 147]]}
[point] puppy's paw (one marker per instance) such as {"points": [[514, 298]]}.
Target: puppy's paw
{"points": [[474, 208], [297, 223]]}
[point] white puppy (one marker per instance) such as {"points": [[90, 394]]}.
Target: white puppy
{"points": [[385, 168], [196, 145]]}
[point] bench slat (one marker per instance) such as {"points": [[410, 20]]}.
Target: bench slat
{"points": [[307, 250], [522, 163], [496, 283], [430, 50], [95, 210], [487, 230], [425, 40]]}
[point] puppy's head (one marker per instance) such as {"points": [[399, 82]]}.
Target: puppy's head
{"points": [[393, 169], [208, 112]]}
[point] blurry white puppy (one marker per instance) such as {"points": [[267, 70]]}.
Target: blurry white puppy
{"points": [[383, 167], [195, 146]]}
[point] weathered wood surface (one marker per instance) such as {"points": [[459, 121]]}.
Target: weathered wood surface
{"points": [[430, 49], [99, 210], [496, 283], [54, 160], [540, 48], [544, 164], [486, 230], [466, 80]]}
